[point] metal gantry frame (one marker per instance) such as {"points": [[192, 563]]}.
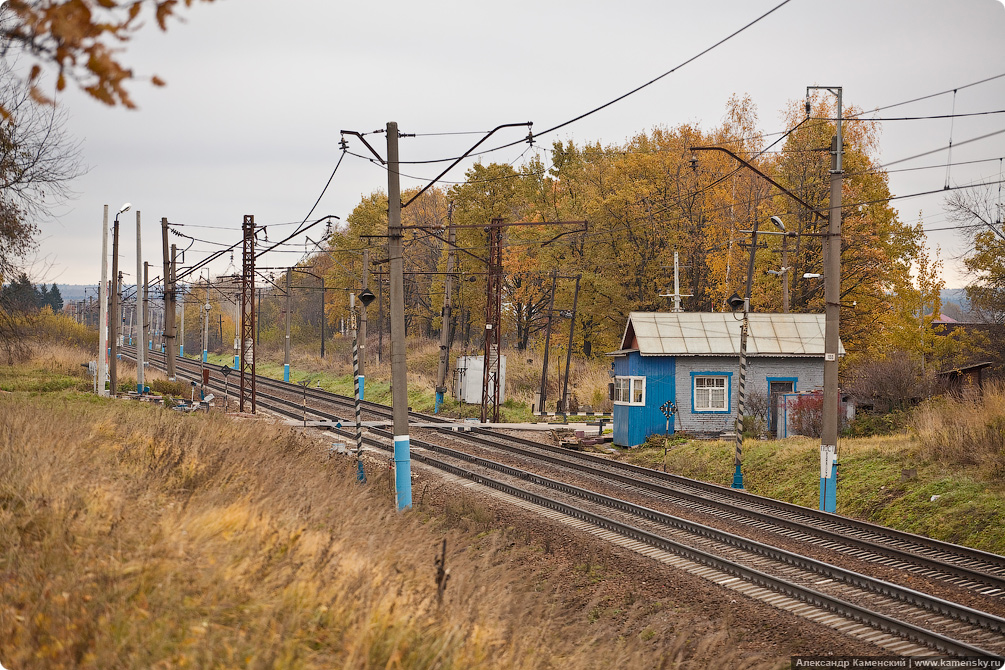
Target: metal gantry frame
{"points": [[491, 365], [248, 316]]}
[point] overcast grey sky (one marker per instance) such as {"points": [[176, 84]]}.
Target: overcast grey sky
{"points": [[258, 91]]}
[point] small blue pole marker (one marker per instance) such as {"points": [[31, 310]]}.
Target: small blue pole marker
{"points": [[237, 361], [402, 472], [205, 355], [439, 401], [286, 373], [828, 478], [181, 351], [831, 505], [362, 387]]}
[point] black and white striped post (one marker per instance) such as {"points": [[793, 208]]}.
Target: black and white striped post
{"points": [[360, 470], [735, 302], [740, 402]]}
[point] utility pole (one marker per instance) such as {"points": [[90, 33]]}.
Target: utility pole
{"points": [[786, 271], [738, 478], [246, 324], [237, 330], [380, 321], [362, 324], [103, 310], [741, 386], [568, 353], [360, 470], [323, 317], [286, 350], [399, 379], [205, 328], [129, 326], [491, 364], [399, 390], [445, 313], [170, 350], [114, 320], [139, 316], [175, 339], [676, 295], [547, 344], [676, 281], [832, 318], [146, 330], [181, 338]]}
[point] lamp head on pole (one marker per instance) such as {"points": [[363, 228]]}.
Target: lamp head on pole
{"points": [[735, 302], [366, 297], [778, 223], [124, 208]]}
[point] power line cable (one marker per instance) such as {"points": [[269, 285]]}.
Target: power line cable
{"points": [[934, 151], [952, 124], [622, 96], [954, 115], [926, 97]]}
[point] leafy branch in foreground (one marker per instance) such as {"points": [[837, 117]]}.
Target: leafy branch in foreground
{"points": [[82, 39]]}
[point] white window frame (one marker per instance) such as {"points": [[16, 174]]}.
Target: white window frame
{"points": [[722, 384], [626, 388]]}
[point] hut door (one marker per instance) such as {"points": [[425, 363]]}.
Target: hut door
{"points": [[776, 389]]}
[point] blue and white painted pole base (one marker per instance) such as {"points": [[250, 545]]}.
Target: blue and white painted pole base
{"points": [[360, 471], [286, 372], [737, 477], [362, 387], [237, 362], [150, 345], [402, 472], [828, 478], [439, 401], [205, 356], [181, 351]]}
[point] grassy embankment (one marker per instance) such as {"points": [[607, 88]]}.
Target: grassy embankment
{"points": [[587, 380], [957, 447], [135, 537]]}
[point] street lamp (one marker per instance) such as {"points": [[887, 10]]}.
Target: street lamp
{"points": [[784, 272]]}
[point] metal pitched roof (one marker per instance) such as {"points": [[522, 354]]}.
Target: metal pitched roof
{"points": [[718, 334]]}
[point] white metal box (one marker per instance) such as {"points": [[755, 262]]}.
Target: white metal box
{"points": [[468, 379]]}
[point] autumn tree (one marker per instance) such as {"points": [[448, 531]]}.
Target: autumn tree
{"points": [[81, 40], [877, 249], [978, 213], [340, 259], [37, 162]]}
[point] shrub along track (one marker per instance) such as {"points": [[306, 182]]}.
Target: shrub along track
{"points": [[892, 616]]}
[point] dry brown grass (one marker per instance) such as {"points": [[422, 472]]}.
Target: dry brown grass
{"points": [[967, 430], [588, 379], [135, 537]]}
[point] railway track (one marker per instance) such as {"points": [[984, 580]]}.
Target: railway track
{"points": [[899, 618], [920, 556]]}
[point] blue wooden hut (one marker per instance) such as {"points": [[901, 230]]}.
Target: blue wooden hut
{"points": [[691, 361]]}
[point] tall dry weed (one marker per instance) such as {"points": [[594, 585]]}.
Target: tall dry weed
{"points": [[134, 537], [965, 430]]}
